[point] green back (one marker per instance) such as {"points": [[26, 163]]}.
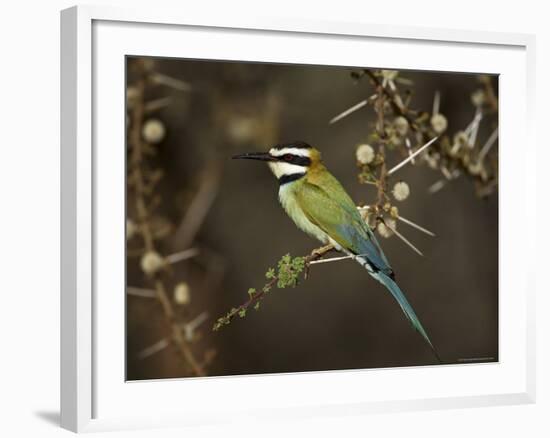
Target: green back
{"points": [[325, 203]]}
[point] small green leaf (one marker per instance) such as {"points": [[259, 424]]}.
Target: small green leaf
{"points": [[270, 274]]}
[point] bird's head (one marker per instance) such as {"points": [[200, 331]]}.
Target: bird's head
{"points": [[287, 161]]}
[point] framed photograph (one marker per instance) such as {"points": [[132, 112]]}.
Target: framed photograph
{"points": [[256, 208]]}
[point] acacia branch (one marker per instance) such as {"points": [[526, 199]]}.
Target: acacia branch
{"points": [[287, 274], [392, 98], [145, 229], [448, 156]]}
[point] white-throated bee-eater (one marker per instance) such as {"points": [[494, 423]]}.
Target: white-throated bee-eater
{"points": [[320, 206]]}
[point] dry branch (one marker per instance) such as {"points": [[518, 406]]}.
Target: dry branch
{"points": [[145, 229]]}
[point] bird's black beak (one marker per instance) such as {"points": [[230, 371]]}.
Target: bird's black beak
{"points": [[261, 156]]}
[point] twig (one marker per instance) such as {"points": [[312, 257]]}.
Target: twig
{"points": [[381, 183], [492, 99], [399, 109], [382, 176], [255, 297]]}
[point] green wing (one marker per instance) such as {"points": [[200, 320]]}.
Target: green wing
{"points": [[333, 211]]}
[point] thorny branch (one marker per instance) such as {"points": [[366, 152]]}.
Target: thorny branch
{"points": [[286, 275], [393, 97], [453, 156], [143, 212]]}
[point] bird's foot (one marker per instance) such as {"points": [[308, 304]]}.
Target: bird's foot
{"points": [[320, 252], [316, 254]]}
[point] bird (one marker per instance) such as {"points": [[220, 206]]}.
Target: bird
{"points": [[319, 205]]}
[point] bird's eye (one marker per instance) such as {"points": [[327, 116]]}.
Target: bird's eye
{"points": [[287, 157]]}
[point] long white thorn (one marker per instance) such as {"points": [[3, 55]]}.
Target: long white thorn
{"points": [[405, 220], [474, 122], [157, 347], [446, 173], [487, 190], [191, 326], [337, 259], [488, 145], [437, 99], [182, 255], [171, 82], [399, 101], [404, 239], [348, 111], [140, 292], [437, 186], [397, 96], [404, 81], [418, 227], [332, 259], [410, 158], [475, 128], [157, 104], [409, 149]]}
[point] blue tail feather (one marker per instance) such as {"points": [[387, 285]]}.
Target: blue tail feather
{"points": [[399, 296]]}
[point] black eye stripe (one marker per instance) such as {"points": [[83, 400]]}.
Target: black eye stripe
{"points": [[296, 159]]}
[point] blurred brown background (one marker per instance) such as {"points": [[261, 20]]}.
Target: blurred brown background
{"points": [[340, 317]]}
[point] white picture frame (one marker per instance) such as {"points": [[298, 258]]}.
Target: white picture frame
{"points": [[93, 397]]}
